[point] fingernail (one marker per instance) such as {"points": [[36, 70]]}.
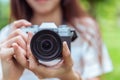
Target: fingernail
{"points": [[64, 42], [14, 44], [30, 23]]}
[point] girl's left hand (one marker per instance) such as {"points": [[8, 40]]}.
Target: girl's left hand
{"points": [[63, 70]]}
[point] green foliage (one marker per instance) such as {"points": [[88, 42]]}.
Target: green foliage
{"points": [[4, 14], [107, 13], [3, 22]]}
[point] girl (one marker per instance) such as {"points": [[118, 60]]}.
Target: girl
{"points": [[88, 58]]}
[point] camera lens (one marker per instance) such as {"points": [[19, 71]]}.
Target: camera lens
{"points": [[46, 45]]}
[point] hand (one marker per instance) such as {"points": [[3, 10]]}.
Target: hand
{"points": [[63, 70], [12, 70], [19, 24]]}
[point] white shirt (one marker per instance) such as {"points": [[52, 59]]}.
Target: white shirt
{"points": [[80, 52]]}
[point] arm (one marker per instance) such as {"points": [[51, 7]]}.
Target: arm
{"points": [[71, 76], [7, 53], [62, 70], [96, 78]]}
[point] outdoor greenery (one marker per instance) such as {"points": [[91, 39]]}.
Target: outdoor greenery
{"points": [[4, 13], [107, 14]]}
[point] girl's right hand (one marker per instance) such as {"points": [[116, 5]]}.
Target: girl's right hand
{"points": [[12, 70], [19, 24]]}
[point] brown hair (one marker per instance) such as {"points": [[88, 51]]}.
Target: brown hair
{"points": [[71, 11], [21, 10]]}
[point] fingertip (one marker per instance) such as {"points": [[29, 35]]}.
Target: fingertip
{"points": [[28, 24], [65, 47], [64, 42], [66, 52], [30, 34], [15, 46]]}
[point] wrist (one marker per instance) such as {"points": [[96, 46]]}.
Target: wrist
{"points": [[72, 75], [10, 78]]}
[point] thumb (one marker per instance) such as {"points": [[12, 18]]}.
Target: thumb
{"points": [[66, 55], [6, 52]]}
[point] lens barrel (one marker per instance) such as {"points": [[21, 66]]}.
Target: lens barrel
{"points": [[46, 45]]}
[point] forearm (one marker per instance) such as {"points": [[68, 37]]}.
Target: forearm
{"points": [[71, 76], [9, 79], [96, 78]]}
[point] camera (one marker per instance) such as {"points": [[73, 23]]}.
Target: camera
{"points": [[46, 43]]}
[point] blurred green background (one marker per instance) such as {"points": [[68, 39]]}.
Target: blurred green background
{"points": [[107, 14]]}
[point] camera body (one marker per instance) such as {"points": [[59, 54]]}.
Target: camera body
{"points": [[46, 43]]}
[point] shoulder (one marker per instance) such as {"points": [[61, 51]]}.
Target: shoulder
{"points": [[4, 32], [88, 29], [86, 21], [5, 29], [87, 24]]}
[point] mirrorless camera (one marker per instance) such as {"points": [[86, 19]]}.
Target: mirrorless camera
{"points": [[46, 43]]}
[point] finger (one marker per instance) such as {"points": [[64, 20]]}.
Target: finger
{"points": [[19, 40], [34, 65], [20, 55], [30, 35], [20, 23], [17, 32], [6, 52], [32, 61], [66, 55]]}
